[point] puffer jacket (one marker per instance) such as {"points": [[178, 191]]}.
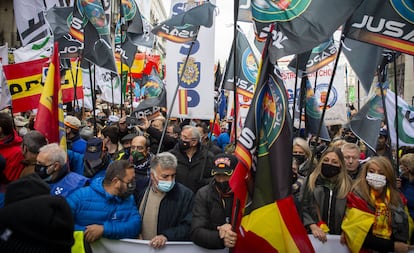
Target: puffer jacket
{"points": [[93, 205], [10, 149]]}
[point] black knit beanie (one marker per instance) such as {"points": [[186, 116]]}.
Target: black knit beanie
{"points": [[25, 187], [39, 224]]}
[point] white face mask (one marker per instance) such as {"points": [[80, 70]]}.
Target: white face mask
{"points": [[376, 181]]}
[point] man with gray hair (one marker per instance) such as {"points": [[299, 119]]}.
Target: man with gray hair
{"points": [[351, 152], [52, 166], [194, 160], [165, 205]]}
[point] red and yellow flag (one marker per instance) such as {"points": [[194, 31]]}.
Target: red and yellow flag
{"points": [[50, 119], [270, 223], [25, 83]]}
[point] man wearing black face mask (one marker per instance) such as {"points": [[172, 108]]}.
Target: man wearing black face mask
{"points": [[141, 159], [52, 166], [96, 160], [194, 160], [211, 223]]}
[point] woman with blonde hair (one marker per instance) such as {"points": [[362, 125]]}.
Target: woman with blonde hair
{"points": [[376, 217], [324, 195], [302, 154]]}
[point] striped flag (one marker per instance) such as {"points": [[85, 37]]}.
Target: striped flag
{"points": [[49, 118], [269, 222]]}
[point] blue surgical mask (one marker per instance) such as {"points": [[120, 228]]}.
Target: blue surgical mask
{"points": [[165, 186]]}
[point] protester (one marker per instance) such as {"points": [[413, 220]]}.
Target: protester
{"points": [[10, 149], [111, 141], [154, 130], [106, 208], [194, 160], [224, 138], [141, 159], [375, 217], [302, 153], [73, 138], [165, 205], [205, 141], [34, 221], [21, 124], [324, 195], [212, 210], [126, 146], [52, 166], [96, 159], [406, 179], [32, 142], [351, 152]]}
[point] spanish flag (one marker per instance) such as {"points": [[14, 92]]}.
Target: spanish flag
{"points": [[357, 222], [49, 118], [267, 220]]}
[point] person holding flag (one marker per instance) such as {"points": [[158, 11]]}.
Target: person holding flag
{"points": [[376, 216]]}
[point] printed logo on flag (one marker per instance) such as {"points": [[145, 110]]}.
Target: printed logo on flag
{"points": [[249, 67], [278, 10], [405, 123], [404, 9], [274, 115], [321, 94]]}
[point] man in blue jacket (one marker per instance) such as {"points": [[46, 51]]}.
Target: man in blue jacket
{"points": [[106, 208]]}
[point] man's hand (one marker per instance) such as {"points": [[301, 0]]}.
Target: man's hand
{"points": [[93, 232], [158, 241], [228, 235]]}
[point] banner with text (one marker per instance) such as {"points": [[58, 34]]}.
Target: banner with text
{"points": [[336, 107], [195, 96]]}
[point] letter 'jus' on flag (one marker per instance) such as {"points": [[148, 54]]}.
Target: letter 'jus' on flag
{"points": [[404, 119], [386, 24], [300, 26], [184, 27], [49, 119], [269, 222]]}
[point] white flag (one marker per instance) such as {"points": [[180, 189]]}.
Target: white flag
{"points": [[36, 50], [405, 120]]}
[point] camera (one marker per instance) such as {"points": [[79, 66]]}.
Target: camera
{"points": [[133, 121]]}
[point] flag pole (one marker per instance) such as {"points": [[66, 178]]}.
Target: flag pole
{"points": [[235, 77], [164, 130], [397, 143], [382, 76], [93, 98], [327, 98], [294, 91]]}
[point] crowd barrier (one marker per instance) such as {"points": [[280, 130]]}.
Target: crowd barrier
{"points": [[141, 246]]}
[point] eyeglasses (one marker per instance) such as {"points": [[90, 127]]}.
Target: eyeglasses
{"points": [[129, 184], [139, 148]]}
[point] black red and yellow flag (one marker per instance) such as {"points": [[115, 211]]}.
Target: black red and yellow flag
{"points": [[268, 220]]}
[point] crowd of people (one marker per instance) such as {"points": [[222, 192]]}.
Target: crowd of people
{"points": [[168, 180]]}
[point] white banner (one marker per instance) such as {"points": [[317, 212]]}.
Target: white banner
{"points": [[195, 98], [336, 107], [133, 246], [405, 120], [36, 50], [4, 54], [110, 86], [5, 97], [30, 20]]}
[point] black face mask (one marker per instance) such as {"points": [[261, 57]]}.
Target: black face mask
{"points": [[183, 145], [300, 158], [41, 170], [351, 139], [223, 187], [329, 170]]}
